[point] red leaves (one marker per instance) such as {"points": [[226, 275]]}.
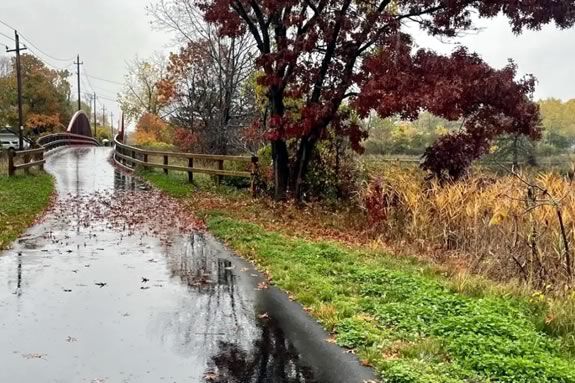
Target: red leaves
{"points": [[312, 49], [460, 86], [221, 12], [149, 212], [185, 139]]}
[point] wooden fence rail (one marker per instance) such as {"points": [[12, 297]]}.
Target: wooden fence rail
{"points": [[130, 157], [31, 158], [35, 157]]}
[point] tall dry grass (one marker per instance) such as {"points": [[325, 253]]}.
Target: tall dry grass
{"points": [[516, 226]]}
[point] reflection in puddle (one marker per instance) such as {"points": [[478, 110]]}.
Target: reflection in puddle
{"points": [[175, 306], [272, 359], [124, 182], [242, 348], [197, 266]]}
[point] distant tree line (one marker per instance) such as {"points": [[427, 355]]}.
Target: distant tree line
{"points": [[394, 136]]}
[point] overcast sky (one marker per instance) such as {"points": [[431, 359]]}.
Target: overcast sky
{"points": [[107, 33]]}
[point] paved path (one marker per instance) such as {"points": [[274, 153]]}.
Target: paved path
{"points": [[105, 289]]}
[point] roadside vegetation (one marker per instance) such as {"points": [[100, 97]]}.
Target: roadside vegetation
{"points": [[433, 270], [404, 319], [415, 319], [22, 199]]}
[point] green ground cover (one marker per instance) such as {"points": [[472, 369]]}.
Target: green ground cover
{"points": [[403, 318], [410, 321], [22, 198]]}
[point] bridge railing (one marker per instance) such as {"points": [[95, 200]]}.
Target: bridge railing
{"points": [[26, 159], [129, 157], [52, 141]]}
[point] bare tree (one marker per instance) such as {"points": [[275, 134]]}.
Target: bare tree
{"points": [[140, 93], [211, 77]]}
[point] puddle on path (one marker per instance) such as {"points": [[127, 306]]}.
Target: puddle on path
{"points": [[109, 289]]}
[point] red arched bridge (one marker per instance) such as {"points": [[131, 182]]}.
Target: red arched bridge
{"points": [[79, 132]]}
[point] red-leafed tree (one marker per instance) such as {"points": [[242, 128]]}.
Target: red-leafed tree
{"points": [[329, 52]]}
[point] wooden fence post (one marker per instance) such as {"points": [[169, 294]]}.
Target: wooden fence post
{"points": [[190, 172], [220, 167], [255, 176], [165, 163], [146, 157], [26, 161], [11, 169], [40, 157], [133, 157]]}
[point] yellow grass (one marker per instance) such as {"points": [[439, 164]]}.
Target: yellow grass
{"points": [[494, 224]]}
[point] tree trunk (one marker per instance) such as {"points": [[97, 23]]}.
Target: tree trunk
{"points": [[303, 158], [280, 153], [281, 169]]}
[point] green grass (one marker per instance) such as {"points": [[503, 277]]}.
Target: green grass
{"points": [[22, 198], [173, 184], [409, 322], [176, 184]]}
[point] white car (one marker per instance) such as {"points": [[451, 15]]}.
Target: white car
{"points": [[12, 144]]}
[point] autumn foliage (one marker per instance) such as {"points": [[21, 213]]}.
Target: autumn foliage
{"points": [[322, 51], [205, 85], [462, 86], [45, 96], [151, 129]]}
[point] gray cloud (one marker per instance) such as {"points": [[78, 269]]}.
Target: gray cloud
{"points": [[106, 34]]}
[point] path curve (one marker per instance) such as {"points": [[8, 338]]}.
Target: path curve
{"points": [[93, 295]]}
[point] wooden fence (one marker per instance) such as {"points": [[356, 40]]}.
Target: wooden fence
{"points": [[130, 157], [26, 159], [30, 158]]}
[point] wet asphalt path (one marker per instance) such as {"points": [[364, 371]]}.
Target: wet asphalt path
{"points": [[93, 295]]}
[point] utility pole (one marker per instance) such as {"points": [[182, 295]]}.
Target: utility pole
{"points": [[95, 118], [78, 63], [112, 124], [19, 80], [103, 115]]}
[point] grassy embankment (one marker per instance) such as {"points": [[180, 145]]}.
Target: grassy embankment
{"points": [[411, 321], [22, 198]]}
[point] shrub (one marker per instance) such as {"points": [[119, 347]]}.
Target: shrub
{"points": [[335, 171]]}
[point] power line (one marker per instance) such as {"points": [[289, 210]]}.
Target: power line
{"points": [[6, 43], [30, 42], [88, 80], [108, 99], [7, 25], [43, 52], [56, 67], [105, 92], [100, 97], [8, 37], [102, 79], [105, 97]]}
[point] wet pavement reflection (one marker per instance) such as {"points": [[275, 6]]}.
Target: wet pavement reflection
{"points": [[108, 288]]}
